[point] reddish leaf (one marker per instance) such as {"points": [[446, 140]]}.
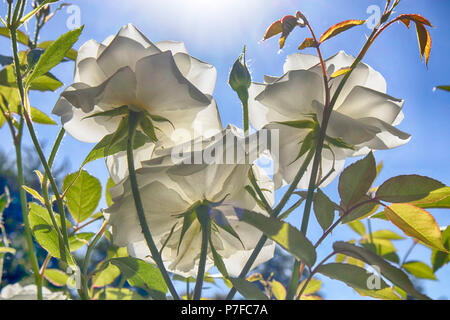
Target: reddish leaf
{"points": [[424, 41], [406, 21], [340, 27], [288, 24], [308, 43], [414, 17], [274, 29]]}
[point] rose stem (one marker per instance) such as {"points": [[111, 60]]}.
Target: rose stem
{"points": [[132, 125]]}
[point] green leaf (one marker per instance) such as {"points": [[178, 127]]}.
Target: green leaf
{"points": [[157, 118], [34, 194], [278, 290], [307, 144], [117, 294], [386, 234], [189, 218], [56, 277], [247, 289], [45, 82], [120, 136], [79, 240], [140, 274], [255, 197], [83, 196], [282, 233], [148, 128], [106, 276], [419, 270], [393, 274], [21, 36], [417, 223], [39, 117], [439, 258], [356, 180], [353, 276], [437, 199], [43, 230], [407, 188], [358, 227], [338, 142], [54, 54], [101, 150], [108, 197], [313, 286], [363, 211], [324, 209], [299, 124], [218, 261], [222, 222], [383, 294], [381, 247], [291, 209], [123, 110], [444, 88], [379, 215], [71, 54]]}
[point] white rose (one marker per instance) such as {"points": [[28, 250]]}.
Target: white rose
{"points": [[29, 292], [169, 190], [364, 115], [128, 69]]}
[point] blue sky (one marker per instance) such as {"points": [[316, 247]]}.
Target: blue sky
{"points": [[216, 30]]}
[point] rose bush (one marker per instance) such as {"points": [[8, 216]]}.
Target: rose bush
{"points": [[184, 196]]}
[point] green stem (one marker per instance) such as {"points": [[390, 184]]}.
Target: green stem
{"points": [[408, 253], [318, 156], [46, 196], [132, 125], [206, 227], [188, 289], [313, 272], [34, 138], [251, 260], [21, 181], [294, 184], [245, 116], [84, 291]]}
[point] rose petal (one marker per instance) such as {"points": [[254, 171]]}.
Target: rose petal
{"points": [[117, 91], [160, 203], [300, 61], [161, 83], [389, 137], [364, 102], [350, 130], [173, 46], [292, 94], [129, 46], [201, 74], [259, 114]]}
